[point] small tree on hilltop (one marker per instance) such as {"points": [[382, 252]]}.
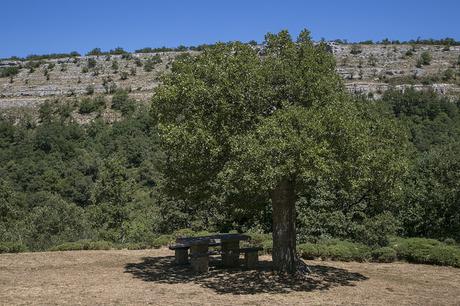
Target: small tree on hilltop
{"points": [[243, 131]]}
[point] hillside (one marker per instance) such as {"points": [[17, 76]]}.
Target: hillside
{"points": [[366, 69]]}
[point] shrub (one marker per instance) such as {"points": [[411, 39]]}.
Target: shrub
{"points": [[375, 231], [148, 66], [122, 102], [163, 240], [9, 71], [132, 71], [109, 85], [372, 60], [267, 246], [412, 247], [261, 240], [32, 65], [151, 62], [53, 220], [137, 246], [356, 49], [117, 51], [88, 105], [448, 74], [425, 58], [335, 250], [95, 51], [114, 65], [90, 89], [83, 245], [309, 251], [91, 63], [449, 241], [12, 247], [124, 75], [445, 255], [427, 251], [184, 232], [346, 251], [385, 254]]}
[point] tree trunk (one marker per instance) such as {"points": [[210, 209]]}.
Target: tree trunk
{"points": [[284, 235]]}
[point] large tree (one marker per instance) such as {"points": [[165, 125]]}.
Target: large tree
{"points": [[243, 126]]}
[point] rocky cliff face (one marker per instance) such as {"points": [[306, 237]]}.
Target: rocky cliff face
{"points": [[366, 69]]}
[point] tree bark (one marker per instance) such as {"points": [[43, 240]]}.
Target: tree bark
{"points": [[284, 234]]}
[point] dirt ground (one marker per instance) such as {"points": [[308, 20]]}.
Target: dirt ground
{"points": [[149, 277]]}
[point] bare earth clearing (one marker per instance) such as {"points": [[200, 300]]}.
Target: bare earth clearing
{"points": [[148, 277]]}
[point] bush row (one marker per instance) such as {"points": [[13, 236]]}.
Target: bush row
{"points": [[12, 247], [414, 250]]}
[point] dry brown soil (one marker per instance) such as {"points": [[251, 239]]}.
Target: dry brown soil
{"points": [[149, 277]]}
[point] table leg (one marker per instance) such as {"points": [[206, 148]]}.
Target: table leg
{"points": [[251, 259], [181, 256], [231, 253], [199, 263]]}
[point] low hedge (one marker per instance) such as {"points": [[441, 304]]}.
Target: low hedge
{"points": [[162, 240], [260, 240], [335, 250], [384, 254], [426, 251], [12, 247], [84, 245], [414, 250]]}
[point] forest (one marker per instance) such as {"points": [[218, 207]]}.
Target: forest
{"points": [[123, 183]]}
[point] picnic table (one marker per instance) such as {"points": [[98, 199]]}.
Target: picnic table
{"points": [[230, 251]]}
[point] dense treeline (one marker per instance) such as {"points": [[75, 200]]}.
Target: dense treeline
{"points": [[97, 51], [33, 57], [61, 181], [419, 41], [236, 141]]}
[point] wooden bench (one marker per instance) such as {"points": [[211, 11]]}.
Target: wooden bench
{"points": [[200, 261], [180, 253], [251, 256]]}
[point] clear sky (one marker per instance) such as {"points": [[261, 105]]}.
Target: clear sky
{"points": [[53, 26]]}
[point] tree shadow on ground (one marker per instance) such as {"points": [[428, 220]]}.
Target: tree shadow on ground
{"points": [[240, 281]]}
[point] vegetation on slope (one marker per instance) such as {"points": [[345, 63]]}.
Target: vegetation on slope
{"points": [[61, 182]]}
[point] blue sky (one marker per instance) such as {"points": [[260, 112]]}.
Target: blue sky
{"points": [[52, 26]]}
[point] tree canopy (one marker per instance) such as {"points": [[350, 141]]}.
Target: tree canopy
{"points": [[237, 125]]}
